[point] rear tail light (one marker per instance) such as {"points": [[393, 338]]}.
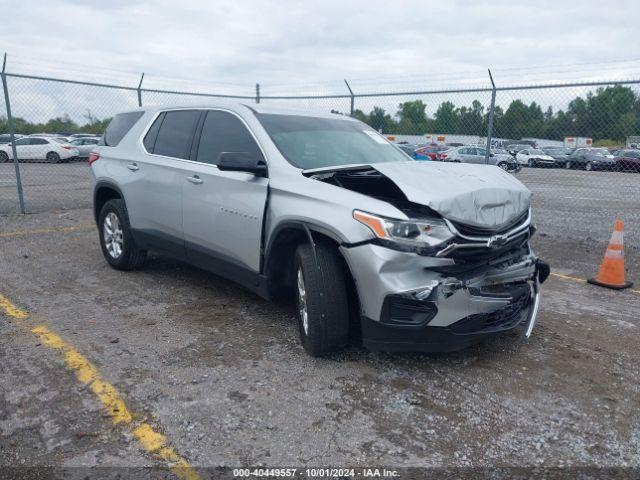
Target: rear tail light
{"points": [[66, 147], [443, 156], [93, 156]]}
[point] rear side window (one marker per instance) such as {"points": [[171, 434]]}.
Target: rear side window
{"points": [[119, 127], [38, 141], [176, 133], [224, 132]]}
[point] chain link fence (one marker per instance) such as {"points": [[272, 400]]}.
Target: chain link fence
{"points": [[575, 142]]}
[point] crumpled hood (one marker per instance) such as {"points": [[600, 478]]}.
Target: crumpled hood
{"points": [[477, 195]]}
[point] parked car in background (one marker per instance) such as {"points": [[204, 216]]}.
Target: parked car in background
{"points": [[83, 135], [591, 159], [534, 157], [84, 145], [38, 148], [514, 148], [478, 155], [628, 159], [6, 138], [559, 154], [430, 152]]}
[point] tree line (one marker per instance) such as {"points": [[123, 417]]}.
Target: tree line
{"points": [[608, 114], [62, 124]]}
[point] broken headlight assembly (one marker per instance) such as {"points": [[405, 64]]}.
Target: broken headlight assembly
{"points": [[423, 235]]}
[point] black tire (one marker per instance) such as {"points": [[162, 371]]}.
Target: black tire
{"points": [[588, 166], [4, 157], [53, 157], [504, 166], [567, 165], [531, 163], [325, 298], [131, 257]]}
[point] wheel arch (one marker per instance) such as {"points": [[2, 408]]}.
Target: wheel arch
{"points": [[280, 250], [102, 193]]}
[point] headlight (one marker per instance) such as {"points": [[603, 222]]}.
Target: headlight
{"points": [[416, 233]]}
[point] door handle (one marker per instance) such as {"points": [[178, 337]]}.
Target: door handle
{"points": [[196, 180], [133, 167]]}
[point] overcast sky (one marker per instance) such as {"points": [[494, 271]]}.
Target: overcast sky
{"points": [[311, 46]]}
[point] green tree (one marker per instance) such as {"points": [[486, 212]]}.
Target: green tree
{"points": [[412, 119]]}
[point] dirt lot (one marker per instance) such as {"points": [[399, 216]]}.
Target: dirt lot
{"points": [[221, 374]]}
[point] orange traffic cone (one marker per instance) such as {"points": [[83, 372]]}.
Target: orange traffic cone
{"points": [[611, 273]]}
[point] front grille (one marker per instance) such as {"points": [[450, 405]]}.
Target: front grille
{"points": [[472, 231], [503, 319]]}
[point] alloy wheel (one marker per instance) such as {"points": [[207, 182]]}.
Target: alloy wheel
{"points": [[302, 302], [112, 232]]}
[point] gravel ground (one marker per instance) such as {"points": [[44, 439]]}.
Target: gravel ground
{"points": [[221, 373]]}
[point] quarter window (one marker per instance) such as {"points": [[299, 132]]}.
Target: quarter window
{"points": [[38, 141], [224, 132], [119, 127], [176, 133]]}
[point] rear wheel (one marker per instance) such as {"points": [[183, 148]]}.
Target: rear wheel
{"points": [[567, 165], [531, 163], [116, 239], [53, 157], [321, 299], [4, 157]]}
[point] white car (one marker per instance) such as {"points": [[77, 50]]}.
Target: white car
{"points": [[534, 157], [39, 148], [85, 145]]}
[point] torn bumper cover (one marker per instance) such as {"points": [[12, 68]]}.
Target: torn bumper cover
{"points": [[420, 303]]}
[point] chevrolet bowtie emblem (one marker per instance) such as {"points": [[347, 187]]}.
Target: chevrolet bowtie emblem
{"points": [[497, 241]]}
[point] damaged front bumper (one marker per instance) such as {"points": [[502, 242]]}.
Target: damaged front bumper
{"points": [[411, 302]]}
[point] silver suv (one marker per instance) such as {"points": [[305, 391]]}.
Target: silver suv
{"points": [[398, 254]]}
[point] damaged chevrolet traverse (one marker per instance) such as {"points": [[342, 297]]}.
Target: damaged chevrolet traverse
{"points": [[371, 245]]}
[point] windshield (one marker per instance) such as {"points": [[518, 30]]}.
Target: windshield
{"points": [[313, 142]]}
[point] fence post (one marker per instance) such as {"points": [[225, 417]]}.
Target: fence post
{"points": [[490, 120], [257, 93], [140, 90], [352, 97], [12, 135]]}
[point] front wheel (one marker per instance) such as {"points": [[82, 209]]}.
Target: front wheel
{"points": [[567, 165], [322, 304], [588, 166], [504, 166], [116, 239], [531, 163], [4, 157]]}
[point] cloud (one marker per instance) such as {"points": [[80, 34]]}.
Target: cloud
{"points": [[290, 46]]}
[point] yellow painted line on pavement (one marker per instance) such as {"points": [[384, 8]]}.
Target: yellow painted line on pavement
{"points": [[152, 441], [582, 280], [11, 310], [567, 277], [31, 231]]}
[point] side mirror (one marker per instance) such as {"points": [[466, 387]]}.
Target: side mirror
{"points": [[241, 162]]}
